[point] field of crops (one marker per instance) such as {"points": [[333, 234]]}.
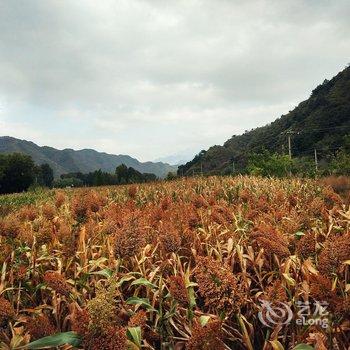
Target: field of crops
{"points": [[201, 263]]}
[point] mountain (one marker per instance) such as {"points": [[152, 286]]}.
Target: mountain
{"points": [[176, 159], [85, 160], [321, 122]]}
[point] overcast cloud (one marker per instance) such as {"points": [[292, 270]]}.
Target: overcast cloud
{"points": [[161, 77]]}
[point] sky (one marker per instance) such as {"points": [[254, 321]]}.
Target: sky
{"points": [[156, 78]]}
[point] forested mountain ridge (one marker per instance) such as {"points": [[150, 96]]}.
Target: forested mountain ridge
{"points": [[84, 161], [321, 122]]}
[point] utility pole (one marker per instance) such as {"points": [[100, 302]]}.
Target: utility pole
{"points": [[316, 161], [289, 146], [289, 133], [233, 167]]}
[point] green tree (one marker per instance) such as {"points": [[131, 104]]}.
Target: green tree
{"points": [[267, 164], [68, 182], [304, 167], [17, 172], [45, 175], [340, 164], [121, 172], [3, 164], [171, 176]]}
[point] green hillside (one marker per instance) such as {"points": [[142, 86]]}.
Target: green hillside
{"points": [[86, 160], [321, 122]]}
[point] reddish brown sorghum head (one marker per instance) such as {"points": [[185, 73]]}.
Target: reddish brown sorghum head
{"points": [[166, 268], [193, 219], [276, 292], [10, 227], [306, 246], [7, 311], [273, 247], [291, 224], [128, 241], [49, 211], [60, 198], [63, 231], [139, 319], [95, 203], [152, 337], [57, 282], [170, 239], [109, 226], [80, 207], [156, 216], [28, 212], [217, 217], [335, 252], [113, 338], [331, 198], [165, 203], [200, 202], [69, 243], [316, 206], [217, 285], [271, 240], [21, 272], [44, 234], [207, 337], [5, 252], [293, 200], [321, 290], [132, 191], [221, 214], [80, 321], [39, 327], [178, 290], [246, 195], [321, 287]]}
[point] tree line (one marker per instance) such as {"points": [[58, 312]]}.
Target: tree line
{"points": [[321, 163], [267, 163], [277, 165], [122, 175], [18, 173]]}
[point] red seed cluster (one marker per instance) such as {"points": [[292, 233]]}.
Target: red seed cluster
{"points": [[184, 264]]}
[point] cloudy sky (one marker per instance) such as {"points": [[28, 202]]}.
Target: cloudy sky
{"points": [[152, 78]]}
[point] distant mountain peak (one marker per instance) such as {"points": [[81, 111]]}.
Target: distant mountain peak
{"points": [[84, 160], [176, 159]]}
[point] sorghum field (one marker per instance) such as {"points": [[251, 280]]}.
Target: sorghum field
{"points": [[176, 265]]}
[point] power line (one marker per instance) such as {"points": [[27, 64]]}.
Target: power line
{"points": [[311, 150], [328, 128], [306, 130], [291, 132]]}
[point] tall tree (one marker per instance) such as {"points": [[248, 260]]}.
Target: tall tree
{"points": [[47, 174], [122, 173], [17, 172]]}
